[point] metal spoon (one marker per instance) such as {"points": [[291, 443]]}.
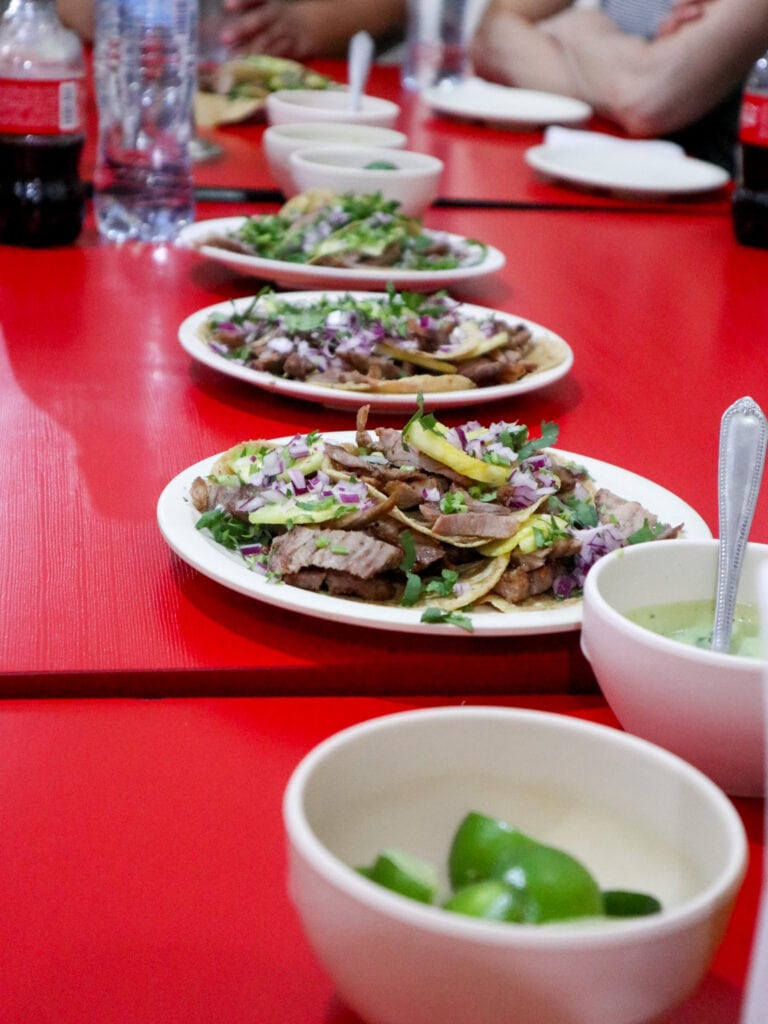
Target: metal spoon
{"points": [[359, 56], [743, 434]]}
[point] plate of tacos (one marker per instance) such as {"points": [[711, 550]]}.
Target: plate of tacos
{"points": [[237, 89], [484, 530], [347, 349], [321, 239]]}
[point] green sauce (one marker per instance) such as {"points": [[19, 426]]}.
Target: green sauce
{"points": [[691, 622]]}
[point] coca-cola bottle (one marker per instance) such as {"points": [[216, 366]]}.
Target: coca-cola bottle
{"points": [[42, 83], [750, 196]]}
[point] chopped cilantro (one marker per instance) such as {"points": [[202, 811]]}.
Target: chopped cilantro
{"points": [[228, 531], [549, 434], [412, 590], [409, 551], [443, 586], [452, 502], [646, 532], [438, 616]]}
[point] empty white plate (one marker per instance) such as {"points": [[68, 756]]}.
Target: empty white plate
{"points": [[523, 108], [626, 166]]}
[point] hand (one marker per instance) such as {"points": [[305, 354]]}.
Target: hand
{"points": [[266, 26], [683, 12]]}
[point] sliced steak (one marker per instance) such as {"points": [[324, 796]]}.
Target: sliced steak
{"points": [[207, 495], [479, 524], [348, 551], [426, 549], [514, 585], [629, 516], [342, 584]]}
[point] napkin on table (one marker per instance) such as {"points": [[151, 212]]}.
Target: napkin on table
{"points": [[558, 137]]}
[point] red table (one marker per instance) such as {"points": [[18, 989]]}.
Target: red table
{"points": [[143, 863], [101, 408], [143, 867]]}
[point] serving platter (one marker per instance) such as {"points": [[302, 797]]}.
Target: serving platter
{"points": [[177, 517], [557, 351], [504, 105], [304, 275]]}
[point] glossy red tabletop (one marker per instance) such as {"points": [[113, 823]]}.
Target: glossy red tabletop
{"points": [[144, 867], [100, 408]]}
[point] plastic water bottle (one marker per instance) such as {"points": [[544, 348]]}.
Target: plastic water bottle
{"points": [[42, 74], [750, 197], [145, 69]]}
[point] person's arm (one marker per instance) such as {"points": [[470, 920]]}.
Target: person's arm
{"points": [[646, 87], [511, 45], [658, 86], [305, 28], [78, 15]]}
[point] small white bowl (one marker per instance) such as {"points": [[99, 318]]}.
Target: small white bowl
{"points": [[636, 815], [704, 706], [280, 140], [292, 106], [414, 181]]}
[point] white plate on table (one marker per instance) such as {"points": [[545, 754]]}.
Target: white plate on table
{"points": [[335, 398], [304, 275], [177, 517], [626, 170], [524, 108]]}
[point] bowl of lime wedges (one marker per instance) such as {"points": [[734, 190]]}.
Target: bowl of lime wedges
{"points": [[492, 865]]}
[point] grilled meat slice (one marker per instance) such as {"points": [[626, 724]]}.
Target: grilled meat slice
{"points": [[343, 584], [348, 551]]}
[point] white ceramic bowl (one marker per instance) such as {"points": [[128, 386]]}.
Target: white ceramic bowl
{"points": [[414, 181], [704, 706], [280, 140], [637, 816], [291, 106]]}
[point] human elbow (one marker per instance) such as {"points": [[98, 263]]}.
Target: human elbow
{"points": [[644, 114]]}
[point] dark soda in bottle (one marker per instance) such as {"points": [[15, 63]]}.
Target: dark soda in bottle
{"points": [[42, 198], [750, 196]]}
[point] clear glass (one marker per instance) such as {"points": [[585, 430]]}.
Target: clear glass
{"points": [[436, 46], [211, 54]]}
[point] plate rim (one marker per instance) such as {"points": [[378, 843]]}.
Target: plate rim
{"points": [[284, 272], [176, 517], [339, 399], [533, 157]]}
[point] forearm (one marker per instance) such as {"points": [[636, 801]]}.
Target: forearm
{"points": [[511, 49], [78, 15], [328, 24], [657, 86]]}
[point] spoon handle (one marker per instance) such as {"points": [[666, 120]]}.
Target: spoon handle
{"points": [[743, 433], [359, 57]]}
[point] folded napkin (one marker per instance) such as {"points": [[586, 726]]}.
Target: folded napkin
{"points": [[561, 138]]}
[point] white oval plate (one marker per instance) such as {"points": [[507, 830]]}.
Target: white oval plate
{"points": [[336, 398], [626, 170], [177, 516], [309, 275], [501, 104]]}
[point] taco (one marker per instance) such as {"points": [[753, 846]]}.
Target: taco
{"points": [[431, 517], [393, 342]]}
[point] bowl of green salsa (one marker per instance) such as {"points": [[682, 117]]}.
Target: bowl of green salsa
{"points": [[646, 630]]}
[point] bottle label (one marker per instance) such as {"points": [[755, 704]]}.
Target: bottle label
{"points": [[753, 120], [41, 106]]}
